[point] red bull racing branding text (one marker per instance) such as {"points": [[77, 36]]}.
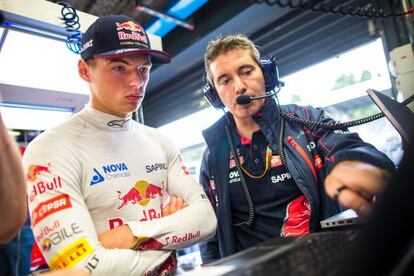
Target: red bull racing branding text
{"points": [[131, 31], [43, 186], [141, 194], [49, 207], [187, 237]]}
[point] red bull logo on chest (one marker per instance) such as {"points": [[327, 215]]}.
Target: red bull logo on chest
{"points": [[142, 193]]}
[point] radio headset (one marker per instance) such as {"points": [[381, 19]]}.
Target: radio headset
{"points": [[273, 86]]}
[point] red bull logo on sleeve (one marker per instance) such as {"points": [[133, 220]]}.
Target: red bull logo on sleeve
{"points": [[142, 193], [146, 243], [34, 170]]}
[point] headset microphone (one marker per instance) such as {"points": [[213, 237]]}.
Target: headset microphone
{"points": [[246, 99]]}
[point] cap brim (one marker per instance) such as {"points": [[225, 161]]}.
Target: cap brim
{"points": [[156, 56]]}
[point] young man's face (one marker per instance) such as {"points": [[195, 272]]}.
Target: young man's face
{"points": [[236, 73], [117, 85]]}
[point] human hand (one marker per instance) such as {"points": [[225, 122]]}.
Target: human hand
{"points": [[119, 237], [176, 203], [354, 185]]}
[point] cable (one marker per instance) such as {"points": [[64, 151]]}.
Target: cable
{"points": [[333, 125], [338, 125], [249, 200], [326, 8], [71, 21]]}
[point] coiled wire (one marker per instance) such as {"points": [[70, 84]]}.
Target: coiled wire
{"points": [[330, 8], [331, 126], [71, 21]]}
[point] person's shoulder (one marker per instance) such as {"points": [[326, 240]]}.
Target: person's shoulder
{"points": [[153, 133], [55, 138]]}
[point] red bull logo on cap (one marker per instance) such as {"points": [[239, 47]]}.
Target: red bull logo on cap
{"points": [[131, 31], [34, 170], [141, 193], [129, 26]]}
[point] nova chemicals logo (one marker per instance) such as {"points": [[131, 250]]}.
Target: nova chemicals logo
{"points": [[97, 178], [109, 172]]}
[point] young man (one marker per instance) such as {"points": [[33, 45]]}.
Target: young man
{"points": [[277, 189], [97, 183]]}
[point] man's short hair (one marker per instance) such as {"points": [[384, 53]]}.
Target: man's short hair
{"points": [[225, 44]]}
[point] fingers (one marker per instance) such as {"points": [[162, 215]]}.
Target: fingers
{"points": [[353, 184], [350, 199], [176, 203], [362, 177]]}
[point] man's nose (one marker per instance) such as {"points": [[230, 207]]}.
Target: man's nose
{"points": [[239, 86], [136, 78]]}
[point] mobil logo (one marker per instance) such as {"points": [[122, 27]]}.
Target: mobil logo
{"points": [[142, 193], [108, 172]]}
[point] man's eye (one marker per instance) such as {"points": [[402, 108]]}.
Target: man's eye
{"points": [[247, 72], [119, 68], [224, 82], [144, 70]]}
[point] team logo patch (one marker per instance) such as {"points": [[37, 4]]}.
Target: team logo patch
{"points": [[49, 207], [141, 193], [71, 255]]}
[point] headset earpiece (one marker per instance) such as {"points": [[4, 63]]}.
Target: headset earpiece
{"points": [[270, 73], [211, 94]]}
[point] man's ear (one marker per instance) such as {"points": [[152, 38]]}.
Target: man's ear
{"points": [[84, 70]]}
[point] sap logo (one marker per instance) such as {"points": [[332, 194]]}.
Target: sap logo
{"points": [[280, 177], [155, 167], [110, 172]]}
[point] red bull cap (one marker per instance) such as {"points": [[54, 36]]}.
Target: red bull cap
{"points": [[113, 36]]}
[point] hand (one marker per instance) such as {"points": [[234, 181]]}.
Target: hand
{"points": [[354, 185], [176, 203], [119, 237]]}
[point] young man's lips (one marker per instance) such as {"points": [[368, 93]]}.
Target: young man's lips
{"points": [[134, 97]]}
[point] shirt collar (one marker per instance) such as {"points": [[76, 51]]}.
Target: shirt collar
{"points": [[107, 121]]}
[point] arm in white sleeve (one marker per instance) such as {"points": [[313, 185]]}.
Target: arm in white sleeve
{"points": [[187, 226], [62, 225]]}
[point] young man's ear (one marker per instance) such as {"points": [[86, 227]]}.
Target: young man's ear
{"points": [[84, 70]]}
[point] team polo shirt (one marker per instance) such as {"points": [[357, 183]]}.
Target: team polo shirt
{"points": [[280, 207]]}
